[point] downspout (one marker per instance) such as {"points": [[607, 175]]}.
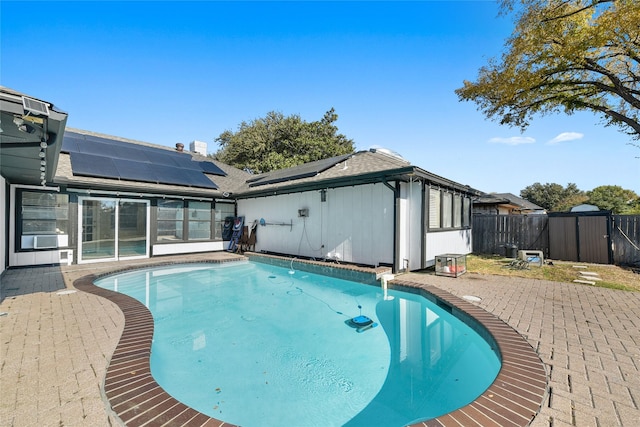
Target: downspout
{"points": [[396, 225], [423, 234], [407, 261]]}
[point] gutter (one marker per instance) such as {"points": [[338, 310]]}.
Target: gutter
{"points": [[347, 181]]}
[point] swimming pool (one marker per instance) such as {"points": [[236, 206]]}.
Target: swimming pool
{"points": [[266, 347]]}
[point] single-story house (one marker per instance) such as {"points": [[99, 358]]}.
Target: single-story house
{"points": [[74, 196], [505, 204], [372, 207]]}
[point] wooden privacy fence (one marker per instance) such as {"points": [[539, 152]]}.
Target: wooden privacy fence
{"points": [[625, 239], [496, 234], [492, 234]]}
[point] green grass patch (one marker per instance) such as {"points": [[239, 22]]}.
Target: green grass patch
{"points": [[613, 277]]}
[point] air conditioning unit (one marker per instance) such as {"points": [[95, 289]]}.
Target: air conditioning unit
{"points": [[45, 242]]}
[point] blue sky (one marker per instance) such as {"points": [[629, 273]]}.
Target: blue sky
{"points": [[168, 72]]}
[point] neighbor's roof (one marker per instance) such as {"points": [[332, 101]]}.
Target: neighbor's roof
{"points": [[507, 199], [353, 169], [225, 180]]}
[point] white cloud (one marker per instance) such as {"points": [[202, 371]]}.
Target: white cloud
{"points": [[566, 136], [514, 140]]}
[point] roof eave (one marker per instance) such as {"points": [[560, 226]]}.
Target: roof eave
{"points": [[124, 188], [346, 181], [399, 174], [21, 162]]}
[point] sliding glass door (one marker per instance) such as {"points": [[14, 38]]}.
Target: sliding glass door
{"points": [[132, 229], [112, 229]]}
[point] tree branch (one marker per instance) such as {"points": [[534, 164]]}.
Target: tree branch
{"points": [[621, 90], [577, 11], [620, 118]]}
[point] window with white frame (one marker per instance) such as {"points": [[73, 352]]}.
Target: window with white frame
{"points": [[170, 214], [466, 212], [447, 212], [457, 211], [44, 213], [179, 220], [199, 214], [434, 208]]}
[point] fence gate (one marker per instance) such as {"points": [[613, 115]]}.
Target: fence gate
{"points": [[580, 236]]}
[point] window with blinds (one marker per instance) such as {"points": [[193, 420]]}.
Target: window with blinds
{"points": [[447, 210], [434, 208]]}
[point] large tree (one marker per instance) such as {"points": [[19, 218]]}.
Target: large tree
{"points": [[276, 142], [615, 198], [565, 55], [554, 197]]}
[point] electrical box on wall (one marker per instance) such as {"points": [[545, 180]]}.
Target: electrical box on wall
{"points": [[303, 213]]}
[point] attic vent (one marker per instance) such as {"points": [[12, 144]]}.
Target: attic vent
{"points": [[45, 242], [35, 106]]}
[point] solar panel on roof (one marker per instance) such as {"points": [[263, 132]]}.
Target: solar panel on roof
{"points": [[91, 139], [89, 147], [135, 171], [111, 148], [168, 174], [108, 158], [201, 180], [91, 165], [211, 168], [127, 153], [160, 158], [184, 161], [70, 144], [297, 172], [290, 177], [99, 140], [180, 176]]}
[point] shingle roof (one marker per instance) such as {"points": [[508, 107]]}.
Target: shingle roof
{"points": [[358, 168], [353, 169], [507, 198]]}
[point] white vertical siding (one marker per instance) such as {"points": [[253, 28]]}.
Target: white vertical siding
{"points": [[447, 242], [410, 241], [355, 222]]}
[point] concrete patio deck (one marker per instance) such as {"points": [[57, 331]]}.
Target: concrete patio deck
{"points": [[56, 344]]}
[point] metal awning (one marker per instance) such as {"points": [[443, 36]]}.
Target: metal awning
{"points": [[31, 133]]}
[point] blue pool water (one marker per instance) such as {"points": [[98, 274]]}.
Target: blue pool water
{"points": [[259, 345]]}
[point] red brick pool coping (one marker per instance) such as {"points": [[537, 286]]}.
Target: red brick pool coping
{"points": [[513, 399], [516, 395]]}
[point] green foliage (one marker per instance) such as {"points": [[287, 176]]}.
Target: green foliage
{"points": [[565, 56], [277, 142], [554, 197], [615, 199]]}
